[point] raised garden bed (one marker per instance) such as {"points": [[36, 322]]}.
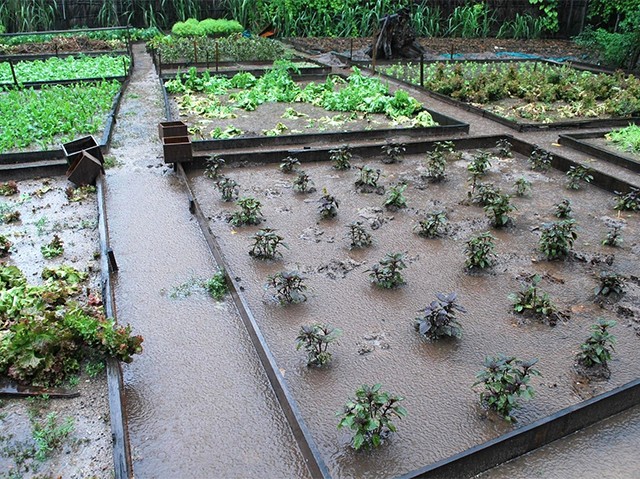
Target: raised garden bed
{"points": [[379, 343], [528, 95]]}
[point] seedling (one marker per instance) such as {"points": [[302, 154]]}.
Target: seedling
{"points": [[433, 225], [498, 210], [557, 238], [228, 188], [216, 286], [249, 213], [266, 244], [5, 246], [436, 166], [303, 183], [480, 164], [315, 340], [504, 148], [506, 379], [289, 287], [289, 164], [386, 274], [48, 436], [395, 198], [530, 300], [540, 159], [53, 249], [327, 205], [439, 318], [563, 209], [614, 237], [393, 152], [9, 188], [369, 416], [367, 181], [446, 149], [341, 157], [214, 165], [576, 174], [597, 348], [358, 236], [628, 201], [480, 251], [522, 186], [610, 283]]}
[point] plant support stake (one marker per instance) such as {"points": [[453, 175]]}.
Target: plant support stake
{"points": [[422, 70]]}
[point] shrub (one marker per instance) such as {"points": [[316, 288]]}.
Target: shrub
{"points": [[610, 283], [522, 186], [498, 210], [505, 380], [249, 213], [289, 287], [370, 414], [327, 205], [266, 244], [480, 251], [395, 198], [387, 273], [439, 318], [341, 157], [597, 348], [433, 225], [358, 236], [315, 340], [576, 174], [557, 238]]}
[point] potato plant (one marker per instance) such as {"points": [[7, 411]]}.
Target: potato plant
{"points": [[228, 188], [327, 205], [629, 201], [613, 237], [395, 197], [303, 183], [563, 209], [522, 186], [610, 284]]}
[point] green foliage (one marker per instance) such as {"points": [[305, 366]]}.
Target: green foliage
{"points": [[369, 415], [303, 183], [530, 300], [439, 320], [207, 27], [368, 178], [498, 210], [387, 273], [504, 148], [266, 243], [80, 193], [249, 213], [540, 159], [9, 188], [341, 157], [436, 165], [597, 348], [576, 174], [327, 205], [358, 236], [557, 238], [610, 283], [485, 193], [214, 164], [233, 48], [629, 201], [522, 186], [289, 164], [470, 21], [216, 286], [315, 340], [626, 139], [548, 14], [49, 435], [5, 246], [51, 115], [393, 151], [563, 209], [505, 380], [614, 237], [395, 198], [522, 27], [480, 164], [53, 249], [228, 188], [480, 251], [432, 225], [289, 287]]}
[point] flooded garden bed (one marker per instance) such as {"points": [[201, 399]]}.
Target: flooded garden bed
{"points": [[379, 343]]}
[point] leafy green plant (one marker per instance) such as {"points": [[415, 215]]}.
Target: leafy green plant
{"points": [[266, 243], [557, 238], [480, 163], [341, 157], [214, 164], [387, 273], [576, 174], [393, 152], [358, 236], [216, 286], [432, 225], [530, 300], [626, 139], [369, 415], [5, 246], [9, 188], [289, 287], [614, 237], [249, 213], [498, 210], [94, 368], [563, 209], [504, 147], [439, 318], [228, 188], [80, 193], [303, 183], [395, 198], [315, 340], [522, 186], [327, 205], [367, 180], [597, 348], [506, 379], [289, 164], [484, 193], [540, 159], [7, 215], [53, 249], [48, 436], [610, 283], [629, 201], [436, 165], [480, 251]]}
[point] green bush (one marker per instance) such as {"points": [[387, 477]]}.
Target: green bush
{"points": [[208, 27]]}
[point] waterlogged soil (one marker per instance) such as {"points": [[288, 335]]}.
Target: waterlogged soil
{"points": [[379, 343], [87, 452]]}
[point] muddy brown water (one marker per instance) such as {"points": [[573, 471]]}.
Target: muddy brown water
{"points": [[444, 416], [198, 400]]}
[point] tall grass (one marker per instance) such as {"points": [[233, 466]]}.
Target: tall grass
{"points": [[25, 16]]}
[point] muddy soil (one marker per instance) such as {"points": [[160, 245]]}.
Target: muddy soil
{"points": [[45, 211], [379, 343]]}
